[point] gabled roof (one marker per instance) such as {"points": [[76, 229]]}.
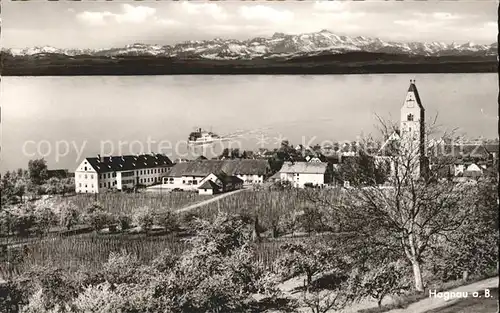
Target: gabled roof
{"points": [[128, 162], [224, 178], [304, 167], [230, 167], [491, 148], [413, 88], [209, 185]]}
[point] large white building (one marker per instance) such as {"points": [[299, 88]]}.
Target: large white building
{"points": [[300, 174], [97, 174], [190, 175]]}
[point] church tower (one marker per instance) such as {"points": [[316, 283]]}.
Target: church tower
{"points": [[412, 130]]}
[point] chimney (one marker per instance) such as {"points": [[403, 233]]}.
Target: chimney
{"points": [[99, 158]]}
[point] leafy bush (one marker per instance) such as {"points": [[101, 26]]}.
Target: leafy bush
{"points": [[44, 218], [144, 217], [18, 219], [125, 221], [69, 215], [168, 220], [97, 217]]}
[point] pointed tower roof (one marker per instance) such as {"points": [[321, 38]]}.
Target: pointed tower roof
{"points": [[414, 90]]}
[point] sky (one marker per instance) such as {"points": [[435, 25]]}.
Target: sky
{"points": [[83, 24]]}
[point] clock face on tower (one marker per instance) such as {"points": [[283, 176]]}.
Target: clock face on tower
{"points": [[410, 103]]}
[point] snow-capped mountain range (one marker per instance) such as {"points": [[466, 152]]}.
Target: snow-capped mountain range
{"points": [[279, 45]]}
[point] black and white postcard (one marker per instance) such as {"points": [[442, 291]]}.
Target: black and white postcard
{"points": [[249, 156]]}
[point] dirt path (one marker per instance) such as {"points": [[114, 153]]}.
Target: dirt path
{"points": [[432, 303], [421, 306], [205, 202]]}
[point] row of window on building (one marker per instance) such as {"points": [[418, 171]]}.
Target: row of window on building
{"points": [[108, 185], [86, 176]]}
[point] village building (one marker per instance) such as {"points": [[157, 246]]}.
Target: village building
{"points": [[469, 159], [98, 174], [409, 141], [191, 175], [303, 174], [59, 173], [219, 183]]}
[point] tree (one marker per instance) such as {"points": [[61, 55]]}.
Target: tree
{"points": [[68, 185], [8, 189], [383, 279], [235, 153], [54, 186], [45, 218], [218, 272], [311, 219], [125, 221], [144, 217], [410, 214], [323, 301], [37, 171], [168, 220], [20, 218], [473, 248], [68, 215], [225, 153], [362, 170], [97, 217], [306, 258]]}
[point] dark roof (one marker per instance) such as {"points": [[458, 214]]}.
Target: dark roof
{"points": [[59, 173], [229, 179], [230, 167], [491, 148], [128, 162], [413, 88], [209, 185]]}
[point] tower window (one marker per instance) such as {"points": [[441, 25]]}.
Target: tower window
{"points": [[410, 117]]}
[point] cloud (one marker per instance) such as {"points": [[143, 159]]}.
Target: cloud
{"points": [[135, 14], [439, 16], [211, 9], [262, 12], [335, 10], [94, 18], [330, 6], [130, 14]]}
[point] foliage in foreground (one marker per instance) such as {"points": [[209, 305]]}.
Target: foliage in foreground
{"points": [[216, 274]]}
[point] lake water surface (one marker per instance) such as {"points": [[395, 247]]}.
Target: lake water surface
{"points": [[42, 115]]}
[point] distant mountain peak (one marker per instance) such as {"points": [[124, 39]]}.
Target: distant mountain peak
{"points": [[278, 45]]}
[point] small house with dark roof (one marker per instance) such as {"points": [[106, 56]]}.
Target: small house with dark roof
{"points": [[217, 183], [209, 187], [191, 174], [100, 173]]}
